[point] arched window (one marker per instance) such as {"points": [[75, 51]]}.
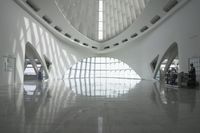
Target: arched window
{"points": [[101, 67]]}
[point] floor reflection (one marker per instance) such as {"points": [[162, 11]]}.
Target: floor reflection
{"points": [[178, 104], [107, 105], [34, 89], [102, 87], [172, 96], [167, 96], [34, 95], [167, 99]]}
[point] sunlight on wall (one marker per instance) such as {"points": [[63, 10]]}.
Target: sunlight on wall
{"points": [[74, 58], [27, 23], [43, 43], [10, 77], [21, 34], [14, 45], [20, 68], [20, 29], [27, 30], [35, 32], [29, 35], [66, 57]]}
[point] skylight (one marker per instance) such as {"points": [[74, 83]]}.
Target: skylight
{"points": [[100, 20]]}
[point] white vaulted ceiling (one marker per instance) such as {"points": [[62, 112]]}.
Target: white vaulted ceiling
{"points": [[81, 14], [118, 15], [76, 21]]}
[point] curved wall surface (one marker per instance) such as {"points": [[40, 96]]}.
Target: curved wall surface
{"points": [[183, 28], [17, 28]]}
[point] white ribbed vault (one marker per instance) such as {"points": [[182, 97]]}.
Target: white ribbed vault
{"points": [[81, 14], [118, 15]]}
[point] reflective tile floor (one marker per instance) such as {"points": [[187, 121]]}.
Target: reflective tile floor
{"points": [[98, 106]]}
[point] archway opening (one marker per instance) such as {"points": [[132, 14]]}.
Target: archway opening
{"points": [[34, 67], [168, 68]]}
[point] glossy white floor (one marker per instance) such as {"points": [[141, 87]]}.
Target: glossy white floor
{"points": [[98, 106]]}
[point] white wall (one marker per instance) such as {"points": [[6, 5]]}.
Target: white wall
{"points": [[17, 28], [183, 27]]}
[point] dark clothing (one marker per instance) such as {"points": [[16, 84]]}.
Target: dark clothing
{"points": [[192, 74], [40, 76], [192, 77]]}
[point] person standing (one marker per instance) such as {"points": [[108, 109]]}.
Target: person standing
{"points": [[192, 76]]}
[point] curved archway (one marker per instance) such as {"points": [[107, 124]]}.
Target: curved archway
{"points": [[34, 65], [167, 60], [101, 67]]}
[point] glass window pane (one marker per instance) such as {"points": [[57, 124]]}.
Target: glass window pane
{"points": [[103, 60], [77, 73], [100, 35], [74, 66], [92, 74], [100, 26], [83, 73], [88, 65], [97, 73], [29, 71], [79, 65], [100, 67], [98, 60], [87, 73], [111, 60], [72, 74], [93, 59], [100, 16], [103, 66], [100, 5]]}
